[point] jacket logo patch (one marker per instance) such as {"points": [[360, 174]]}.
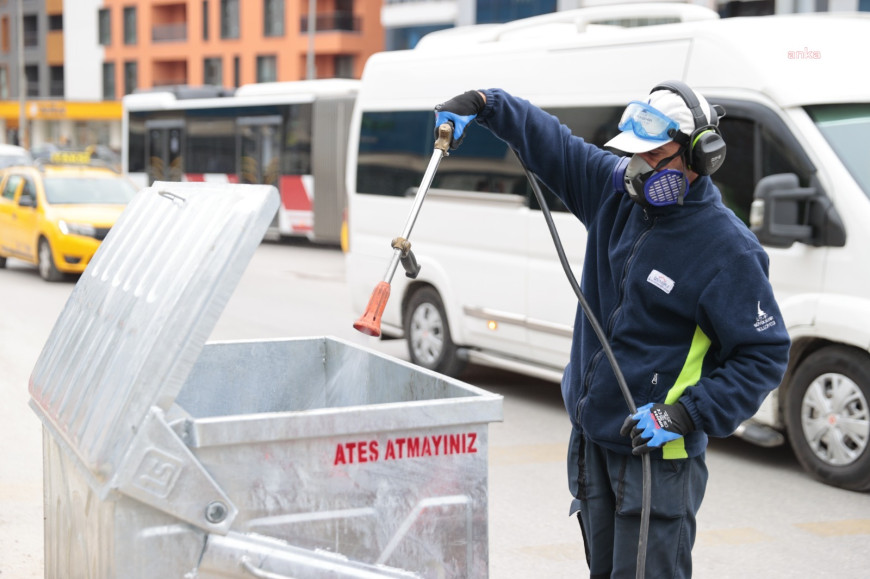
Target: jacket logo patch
{"points": [[661, 281], [762, 320]]}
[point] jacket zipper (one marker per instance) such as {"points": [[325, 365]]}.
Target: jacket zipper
{"points": [[593, 364]]}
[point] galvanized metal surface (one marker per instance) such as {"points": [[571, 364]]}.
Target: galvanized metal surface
{"points": [[165, 457], [141, 312], [341, 449]]}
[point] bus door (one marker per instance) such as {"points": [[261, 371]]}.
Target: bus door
{"points": [[259, 158], [164, 143]]}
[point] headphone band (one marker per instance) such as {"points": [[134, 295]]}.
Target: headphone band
{"points": [[688, 96]]}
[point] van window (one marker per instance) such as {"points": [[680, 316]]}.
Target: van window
{"points": [[756, 148], [395, 148]]}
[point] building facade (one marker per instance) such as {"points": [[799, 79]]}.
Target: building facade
{"points": [[75, 59], [153, 43]]}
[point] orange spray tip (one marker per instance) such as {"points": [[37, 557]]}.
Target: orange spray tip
{"points": [[370, 322]]}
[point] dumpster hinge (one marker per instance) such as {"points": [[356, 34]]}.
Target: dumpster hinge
{"points": [[161, 471]]}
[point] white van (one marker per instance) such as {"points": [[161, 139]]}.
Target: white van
{"points": [[491, 290]]}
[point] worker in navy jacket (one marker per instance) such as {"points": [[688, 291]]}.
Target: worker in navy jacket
{"points": [[680, 286]]}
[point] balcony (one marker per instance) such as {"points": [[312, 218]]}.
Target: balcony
{"points": [[169, 22], [332, 22], [175, 32]]}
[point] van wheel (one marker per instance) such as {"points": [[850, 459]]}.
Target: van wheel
{"points": [[47, 270], [428, 334], [2, 262], [828, 417]]}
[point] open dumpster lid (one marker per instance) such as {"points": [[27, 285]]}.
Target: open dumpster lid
{"points": [[142, 311]]}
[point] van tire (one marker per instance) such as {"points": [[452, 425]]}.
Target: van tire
{"points": [[831, 387], [2, 262], [45, 262], [427, 333]]}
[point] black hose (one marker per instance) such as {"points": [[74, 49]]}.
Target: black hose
{"points": [[608, 351]]}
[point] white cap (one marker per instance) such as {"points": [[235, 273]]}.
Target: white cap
{"points": [[672, 106]]}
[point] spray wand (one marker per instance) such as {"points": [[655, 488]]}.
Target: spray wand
{"points": [[370, 322]]}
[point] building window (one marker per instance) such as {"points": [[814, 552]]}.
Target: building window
{"points": [[131, 74], [4, 33], [55, 81], [31, 74], [31, 31], [229, 18], [55, 22], [205, 19], [237, 71], [273, 17], [213, 71], [267, 68], [344, 66], [130, 25], [109, 80], [4, 83], [105, 27]]}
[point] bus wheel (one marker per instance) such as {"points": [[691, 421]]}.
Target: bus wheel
{"points": [[428, 334], [47, 269], [828, 417]]}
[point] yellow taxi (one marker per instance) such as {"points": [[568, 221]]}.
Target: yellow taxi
{"points": [[56, 214]]}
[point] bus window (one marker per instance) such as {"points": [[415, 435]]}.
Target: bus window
{"points": [[211, 145], [136, 143], [259, 144], [296, 153], [165, 160]]}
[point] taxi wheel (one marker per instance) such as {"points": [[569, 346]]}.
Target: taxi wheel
{"points": [[47, 270]]}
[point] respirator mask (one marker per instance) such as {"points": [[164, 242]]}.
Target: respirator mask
{"points": [[650, 186]]}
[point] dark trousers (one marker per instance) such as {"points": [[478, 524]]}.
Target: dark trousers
{"points": [[609, 487]]}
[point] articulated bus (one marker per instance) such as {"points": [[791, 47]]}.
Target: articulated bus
{"points": [[289, 134]]}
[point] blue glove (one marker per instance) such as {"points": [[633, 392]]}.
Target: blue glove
{"points": [[653, 425], [458, 111]]}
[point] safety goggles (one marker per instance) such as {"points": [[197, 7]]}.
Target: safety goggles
{"points": [[647, 122]]}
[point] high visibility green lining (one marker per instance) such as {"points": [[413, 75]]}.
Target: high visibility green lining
{"points": [[689, 376]]}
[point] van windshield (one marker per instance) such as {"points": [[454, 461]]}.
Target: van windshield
{"points": [[847, 129]]}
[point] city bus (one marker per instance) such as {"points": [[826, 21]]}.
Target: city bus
{"points": [[291, 135]]}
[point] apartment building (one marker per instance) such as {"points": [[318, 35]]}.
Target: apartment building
{"points": [[153, 43]]}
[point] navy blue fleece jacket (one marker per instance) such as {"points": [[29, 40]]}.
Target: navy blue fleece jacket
{"points": [[681, 291]]}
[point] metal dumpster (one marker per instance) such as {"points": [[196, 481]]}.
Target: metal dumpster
{"points": [[165, 456]]}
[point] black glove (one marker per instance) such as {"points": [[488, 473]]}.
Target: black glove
{"points": [[653, 425], [459, 111]]}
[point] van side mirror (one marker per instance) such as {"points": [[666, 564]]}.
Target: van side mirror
{"points": [[26, 200], [784, 212]]}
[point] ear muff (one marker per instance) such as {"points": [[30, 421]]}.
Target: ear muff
{"points": [[706, 147]]}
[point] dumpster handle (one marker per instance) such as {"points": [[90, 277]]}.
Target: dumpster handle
{"points": [[178, 199], [246, 564]]}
